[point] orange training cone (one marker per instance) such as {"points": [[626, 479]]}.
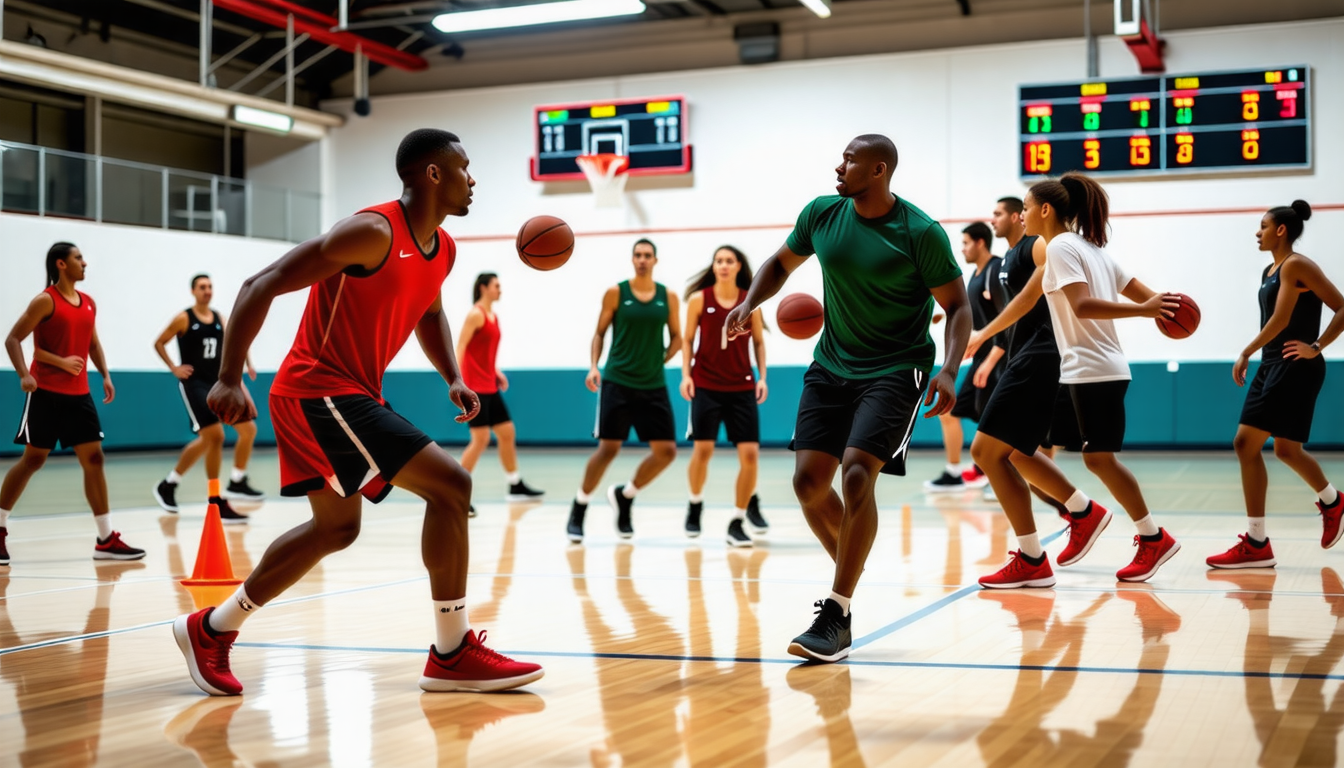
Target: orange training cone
{"points": [[213, 567]]}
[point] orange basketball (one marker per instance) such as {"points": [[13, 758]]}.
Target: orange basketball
{"points": [[1184, 322], [545, 242], [799, 316]]}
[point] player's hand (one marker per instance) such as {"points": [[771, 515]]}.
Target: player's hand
{"points": [[936, 319], [465, 399], [973, 344], [762, 391], [1239, 370], [71, 365], [739, 321], [982, 373], [1161, 305], [1300, 350], [231, 402], [109, 391], [251, 373], [594, 380], [502, 381], [942, 394], [183, 372], [687, 389], [28, 383]]}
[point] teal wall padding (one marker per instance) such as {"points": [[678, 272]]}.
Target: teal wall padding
{"points": [[1195, 407]]}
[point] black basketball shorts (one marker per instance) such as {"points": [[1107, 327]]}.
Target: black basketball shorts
{"points": [[620, 407], [737, 411], [493, 411], [1282, 398], [1026, 410], [50, 417], [876, 416]]}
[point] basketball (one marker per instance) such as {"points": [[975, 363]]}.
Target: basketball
{"points": [[545, 243], [1184, 322], [799, 316]]}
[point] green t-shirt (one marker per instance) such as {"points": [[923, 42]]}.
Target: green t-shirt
{"points": [[877, 274], [638, 349]]}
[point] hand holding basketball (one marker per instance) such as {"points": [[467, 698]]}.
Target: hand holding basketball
{"points": [[545, 243], [1181, 320]]}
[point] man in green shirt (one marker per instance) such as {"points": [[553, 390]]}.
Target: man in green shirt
{"points": [[631, 388], [883, 263]]}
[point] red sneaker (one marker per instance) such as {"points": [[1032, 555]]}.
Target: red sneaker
{"points": [[1150, 557], [1244, 555], [113, 548], [473, 667], [1083, 533], [1330, 517], [207, 655], [974, 478], [1020, 573]]}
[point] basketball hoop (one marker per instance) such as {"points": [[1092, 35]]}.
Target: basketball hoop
{"points": [[606, 175]]}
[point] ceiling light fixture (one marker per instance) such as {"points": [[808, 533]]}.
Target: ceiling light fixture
{"points": [[536, 13], [271, 121], [820, 7]]}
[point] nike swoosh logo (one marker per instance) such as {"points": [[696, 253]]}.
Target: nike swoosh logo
{"points": [[405, 255]]}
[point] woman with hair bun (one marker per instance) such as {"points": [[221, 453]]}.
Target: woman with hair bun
{"points": [[1282, 397]]}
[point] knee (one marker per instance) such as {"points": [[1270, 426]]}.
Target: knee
{"points": [[33, 461], [807, 486], [857, 481], [213, 436], [665, 452], [1245, 445], [750, 457], [452, 490], [702, 451], [983, 453], [480, 438], [246, 430], [94, 460], [1098, 461], [1286, 449], [339, 534]]}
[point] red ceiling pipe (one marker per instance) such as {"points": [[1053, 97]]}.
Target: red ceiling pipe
{"points": [[321, 32], [316, 17]]}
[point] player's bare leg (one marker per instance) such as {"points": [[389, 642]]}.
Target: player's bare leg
{"points": [[749, 463], [1043, 473], [994, 457], [91, 460], [597, 463], [697, 471], [191, 453], [16, 479], [242, 450], [661, 454], [1290, 452], [1249, 444], [333, 527], [445, 486], [813, 475], [506, 439], [213, 438], [858, 525], [476, 445]]}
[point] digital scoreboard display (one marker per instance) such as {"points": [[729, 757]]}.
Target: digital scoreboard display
{"points": [[651, 132], [1215, 122]]}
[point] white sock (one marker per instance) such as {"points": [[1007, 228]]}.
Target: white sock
{"points": [[1031, 545], [173, 478], [582, 498], [630, 490], [4, 517], [739, 513], [954, 470], [1146, 526], [842, 600], [1328, 495], [238, 474], [697, 498], [1077, 502], [104, 523], [513, 478], [1255, 528], [230, 614], [450, 624]]}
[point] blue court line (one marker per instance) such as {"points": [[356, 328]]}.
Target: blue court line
{"points": [[794, 661]]}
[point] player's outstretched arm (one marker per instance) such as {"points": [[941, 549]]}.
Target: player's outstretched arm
{"points": [[610, 300], [1146, 302], [1020, 305], [39, 309], [436, 338], [758, 346], [176, 327], [951, 296], [767, 282], [100, 362]]}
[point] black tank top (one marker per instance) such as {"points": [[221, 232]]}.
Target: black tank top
{"points": [[1032, 335], [200, 346], [1303, 325]]}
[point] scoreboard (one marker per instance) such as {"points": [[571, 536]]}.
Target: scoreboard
{"points": [[651, 132], [1212, 122]]}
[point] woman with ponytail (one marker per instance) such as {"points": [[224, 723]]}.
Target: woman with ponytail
{"points": [[1282, 397]]}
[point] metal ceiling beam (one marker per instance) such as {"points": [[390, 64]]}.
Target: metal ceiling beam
{"points": [[298, 69], [267, 64]]}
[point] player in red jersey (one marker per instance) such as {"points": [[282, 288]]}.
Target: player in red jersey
{"points": [[374, 279], [58, 406], [717, 380]]}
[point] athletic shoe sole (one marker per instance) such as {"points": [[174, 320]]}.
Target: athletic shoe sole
{"points": [[115, 556], [1105, 521], [574, 539], [739, 544], [1270, 563], [184, 645], [244, 496], [235, 520], [944, 488], [523, 497], [976, 485], [437, 685], [797, 649], [1031, 583], [692, 534], [1135, 579], [616, 514], [165, 505]]}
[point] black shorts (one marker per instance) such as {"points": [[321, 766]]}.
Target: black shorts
{"points": [[1282, 398], [1099, 418], [493, 411], [620, 407], [1026, 407], [971, 400], [194, 394], [50, 417], [735, 410], [353, 443], [875, 416]]}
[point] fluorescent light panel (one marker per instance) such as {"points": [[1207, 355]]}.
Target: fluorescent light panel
{"points": [[273, 121], [820, 7], [536, 13]]}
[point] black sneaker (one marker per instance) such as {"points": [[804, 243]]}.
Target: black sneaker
{"points": [[736, 536], [520, 491], [828, 639], [754, 517], [166, 494], [575, 526], [693, 510], [471, 510], [621, 506], [227, 514], [239, 489], [946, 483], [4, 551]]}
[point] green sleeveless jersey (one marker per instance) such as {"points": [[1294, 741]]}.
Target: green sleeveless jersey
{"points": [[637, 344]]}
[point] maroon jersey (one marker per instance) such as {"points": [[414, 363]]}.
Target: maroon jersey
{"points": [[720, 366], [478, 368], [356, 321], [68, 331]]}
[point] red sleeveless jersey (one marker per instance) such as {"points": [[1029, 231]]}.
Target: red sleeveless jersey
{"points": [[716, 366], [67, 332], [478, 369], [356, 321]]}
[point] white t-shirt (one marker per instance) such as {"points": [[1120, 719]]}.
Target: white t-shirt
{"points": [[1089, 350]]}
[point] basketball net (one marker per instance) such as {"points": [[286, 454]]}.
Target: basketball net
{"points": [[607, 177]]}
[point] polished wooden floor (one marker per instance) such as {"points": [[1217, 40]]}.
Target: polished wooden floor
{"points": [[667, 652]]}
